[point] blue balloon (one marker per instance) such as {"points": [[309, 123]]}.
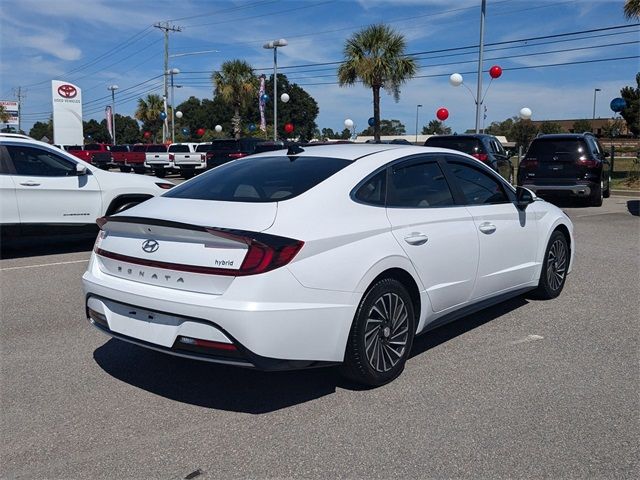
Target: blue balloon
{"points": [[89, 137], [252, 127], [163, 115], [265, 97], [618, 104], [185, 131], [371, 121]]}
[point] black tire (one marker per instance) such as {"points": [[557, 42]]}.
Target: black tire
{"points": [[607, 191], [595, 200], [187, 174], [554, 267], [139, 171], [160, 173], [124, 169], [385, 313]]}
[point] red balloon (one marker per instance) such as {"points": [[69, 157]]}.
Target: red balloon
{"points": [[200, 132], [442, 114], [495, 71], [288, 127], [147, 134]]}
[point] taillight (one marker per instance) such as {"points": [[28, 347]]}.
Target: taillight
{"points": [[587, 162], [237, 155], [527, 163], [202, 157], [483, 157], [267, 253], [101, 222], [171, 156]]}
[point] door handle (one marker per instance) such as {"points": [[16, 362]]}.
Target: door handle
{"points": [[487, 228], [416, 239], [30, 184]]}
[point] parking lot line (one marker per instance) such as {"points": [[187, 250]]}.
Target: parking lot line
{"points": [[43, 265]]}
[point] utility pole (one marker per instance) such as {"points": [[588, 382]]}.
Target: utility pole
{"points": [[166, 27], [483, 9], [20, 95]]}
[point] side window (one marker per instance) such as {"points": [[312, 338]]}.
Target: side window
{"points": [[479, 187], [373, 191], [5, 169], [34, 161], [594, 146], [418, 185]]}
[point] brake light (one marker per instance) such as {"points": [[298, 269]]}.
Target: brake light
{"points": [[587, 162], [529, 163], [171, 156], [237, 155], [262, 256], [483, 157], [198, 342]]}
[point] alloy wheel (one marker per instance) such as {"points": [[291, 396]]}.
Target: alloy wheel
{"points": [[386, 332], [556, 264]]}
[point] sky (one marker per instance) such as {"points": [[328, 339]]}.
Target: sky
{"points": [[97, 43]]}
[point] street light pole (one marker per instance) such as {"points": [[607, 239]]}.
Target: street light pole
{"points": [[481, 53], [274, 45], [595, 91], [172, 72], [113, 89], [417, 107]]}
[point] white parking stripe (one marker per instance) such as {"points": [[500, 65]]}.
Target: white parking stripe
{"points": [[43, 265]]}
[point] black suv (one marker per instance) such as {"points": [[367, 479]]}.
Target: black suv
{"points": [[223, 151], [485, 148], [567, 164]]}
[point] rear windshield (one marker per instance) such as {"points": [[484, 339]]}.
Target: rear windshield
{"points": [[74, 148], [179, 148], [119, 148], [261, 179], [156, 148], [204, 147], [557, 150], [224, 145], [93, 146], [461, 144], [139, 148]]}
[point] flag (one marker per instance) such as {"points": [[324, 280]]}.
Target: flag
{"points": [[107, 113], [263, 123]]}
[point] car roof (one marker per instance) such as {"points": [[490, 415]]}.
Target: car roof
{"points": [[564, 136], [16, 135], [345, 151]]}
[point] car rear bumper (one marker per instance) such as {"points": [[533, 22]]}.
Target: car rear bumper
{"points": [[299, 328], [573, 189], [192, 165]]}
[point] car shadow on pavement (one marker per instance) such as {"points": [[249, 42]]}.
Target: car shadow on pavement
{"points": [[250, 391], [634, 207], [46, 245]]}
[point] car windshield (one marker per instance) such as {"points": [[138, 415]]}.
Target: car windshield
{"points": [[461, 144], [179, 148], [260, 179], [554, 149]]}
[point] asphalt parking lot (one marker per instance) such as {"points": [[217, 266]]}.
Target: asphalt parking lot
{"points": [[526, 389]]}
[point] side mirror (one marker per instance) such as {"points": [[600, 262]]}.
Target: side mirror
{"points": [[523, 198], [81, 169]]}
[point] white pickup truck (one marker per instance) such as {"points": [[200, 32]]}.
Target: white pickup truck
{"points": [[186, 159], [157, 160]]}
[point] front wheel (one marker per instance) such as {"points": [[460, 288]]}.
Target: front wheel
{"points": [[381, 335], [554, 268]]}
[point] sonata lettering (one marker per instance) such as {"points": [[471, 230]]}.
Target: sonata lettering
{"points": [[141, 274]]}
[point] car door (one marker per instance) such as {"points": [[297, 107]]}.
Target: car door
{"points": [[507, 236], [8, 203], [48, 189], [438, 236]]}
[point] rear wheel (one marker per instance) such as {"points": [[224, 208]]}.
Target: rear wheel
{"points": [[597, 195], [125, 169], [187, 174], [607, 191], [381, 335], [554, 268], [139, 171]]}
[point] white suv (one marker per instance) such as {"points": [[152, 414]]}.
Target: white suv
{"points": [[43, 185]]}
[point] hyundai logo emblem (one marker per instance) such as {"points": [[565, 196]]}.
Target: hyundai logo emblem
{"points": [[150, 246]]}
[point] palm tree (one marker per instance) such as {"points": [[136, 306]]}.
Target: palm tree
{"points": [[632, 9], [148, 112], [4, 115], [237, 84], [375, 56]]}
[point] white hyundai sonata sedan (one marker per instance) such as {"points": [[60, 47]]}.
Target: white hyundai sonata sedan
{"points": [[322, 255]]}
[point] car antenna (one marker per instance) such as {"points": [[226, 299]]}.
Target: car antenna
{"points": [[294, 150]]}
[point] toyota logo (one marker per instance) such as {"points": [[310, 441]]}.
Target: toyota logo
{"points": [[67, 91], [150, 246]]}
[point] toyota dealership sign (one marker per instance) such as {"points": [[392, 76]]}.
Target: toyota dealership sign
{"points": [[67, 113], [12, 109]]}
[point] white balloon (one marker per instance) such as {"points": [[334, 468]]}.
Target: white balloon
{"points": [[218, 128], [284, 97], [525, 113], [348, 123], [178, 114], [455, 79]]}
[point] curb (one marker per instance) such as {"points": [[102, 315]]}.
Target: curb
{"points": [[625, 193]]}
